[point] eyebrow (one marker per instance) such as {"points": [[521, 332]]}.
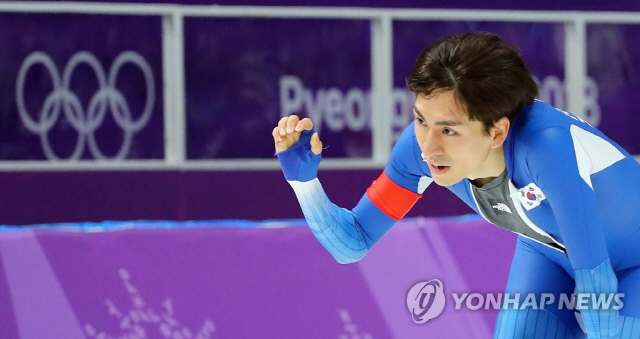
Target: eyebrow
{"points": [[438, 123]]}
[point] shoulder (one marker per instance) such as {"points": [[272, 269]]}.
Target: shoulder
{"points": [[542, 126], [557, 144], [541, 138], [543, 121]]}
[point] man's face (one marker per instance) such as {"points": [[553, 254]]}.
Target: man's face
{"points": [[453, 146]]}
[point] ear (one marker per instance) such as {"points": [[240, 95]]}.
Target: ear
{"points": [[500, 131]]}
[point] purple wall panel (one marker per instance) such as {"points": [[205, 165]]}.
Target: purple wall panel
{"points": [[236, 70], [412, 37], [110, 104], [53, 197], [613, 61]]}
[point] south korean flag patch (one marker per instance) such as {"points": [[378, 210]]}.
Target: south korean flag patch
{"points": [[531, 196]]}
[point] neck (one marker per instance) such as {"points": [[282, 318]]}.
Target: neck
{"points": [[492, 168]]}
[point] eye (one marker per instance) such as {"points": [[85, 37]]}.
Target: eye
{"points": [[420, 121], [449, 132]]}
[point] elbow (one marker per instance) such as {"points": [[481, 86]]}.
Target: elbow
{"points": [[350, 259], [346, 261]]}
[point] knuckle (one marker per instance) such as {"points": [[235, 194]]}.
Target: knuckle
{"points": [[292, 120]]}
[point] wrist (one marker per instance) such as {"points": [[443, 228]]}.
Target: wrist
{"points": [[298, 162]]}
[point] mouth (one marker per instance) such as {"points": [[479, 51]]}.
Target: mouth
{"points": [[438, 169]]}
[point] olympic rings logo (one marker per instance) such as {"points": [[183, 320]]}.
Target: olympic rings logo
{"points": [[108, 97]]}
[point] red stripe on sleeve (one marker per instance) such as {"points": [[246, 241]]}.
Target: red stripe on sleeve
{"points": [[392, 199]]}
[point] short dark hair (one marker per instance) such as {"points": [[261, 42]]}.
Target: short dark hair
{"points": [[487, 75]]}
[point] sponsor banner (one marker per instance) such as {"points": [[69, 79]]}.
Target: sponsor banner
{"points": [[541, 45], [270, 68], [613, 62], [243, 75], [238, 86], [81, 87], [97, 93], [240, 280]]}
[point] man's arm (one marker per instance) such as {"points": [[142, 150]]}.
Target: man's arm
{"points": [[347, 235], [562, 167]]}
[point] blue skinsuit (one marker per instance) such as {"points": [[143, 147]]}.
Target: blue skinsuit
{"points": [[570, 183]]}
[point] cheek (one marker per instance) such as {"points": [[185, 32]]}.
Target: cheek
{"points": [[468, 152], [478, 153]]}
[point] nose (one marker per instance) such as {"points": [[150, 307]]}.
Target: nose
{"points": [[431, 145]]}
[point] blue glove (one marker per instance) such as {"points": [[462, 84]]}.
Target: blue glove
{"points": [[299, 163]]}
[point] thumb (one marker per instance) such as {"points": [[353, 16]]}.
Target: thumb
{"points": [[316, 144]]}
